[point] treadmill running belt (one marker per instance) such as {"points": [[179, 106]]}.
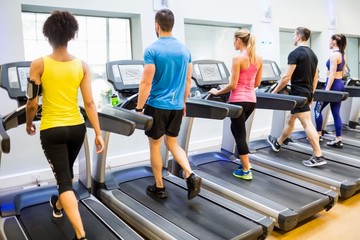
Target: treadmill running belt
{"points": [[12, 229], [347, 150], [333, 170], [274, 189], [345, 132], [199, 217], [352, 134], [40, 224]]}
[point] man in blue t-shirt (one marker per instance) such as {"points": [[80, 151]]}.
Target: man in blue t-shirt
{"points": [[163, 91], [303, 73]]}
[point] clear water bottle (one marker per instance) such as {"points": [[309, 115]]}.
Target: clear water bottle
{"points": [[197, 94]]}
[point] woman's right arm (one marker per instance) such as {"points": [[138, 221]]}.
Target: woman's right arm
{"points": [[36, 71], [235, 73], [90, 108]]}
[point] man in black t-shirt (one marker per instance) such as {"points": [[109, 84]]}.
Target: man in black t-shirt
{"points": [[303, 73]]}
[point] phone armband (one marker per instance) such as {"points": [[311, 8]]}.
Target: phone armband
{"points": [[33, 90]]}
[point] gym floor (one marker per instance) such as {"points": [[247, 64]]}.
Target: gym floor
{"points": [[341, 222]]}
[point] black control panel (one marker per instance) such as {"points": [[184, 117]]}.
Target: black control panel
{"points": [[13, 78], [125, 75]]}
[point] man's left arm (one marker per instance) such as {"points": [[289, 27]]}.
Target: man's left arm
{"points": [[316, 79], [145, 85], [188, 82], [187, 86]]}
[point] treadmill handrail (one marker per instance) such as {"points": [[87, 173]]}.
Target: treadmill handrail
{"points": [[112, 123], [234, 110], [17, 117], [330, 96], [201, 108], [353, 91], [5, 140], [142, 122], [277, 101]]}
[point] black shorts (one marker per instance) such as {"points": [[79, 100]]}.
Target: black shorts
{"points": [[306, 106], [164, 122]]}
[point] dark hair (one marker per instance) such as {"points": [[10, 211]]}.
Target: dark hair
{"points": [[304, 33], [60, 28], [340, 40], [165, 18]]}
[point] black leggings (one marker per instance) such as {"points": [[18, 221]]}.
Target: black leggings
{"points": [[61, 146], [238, 126]]}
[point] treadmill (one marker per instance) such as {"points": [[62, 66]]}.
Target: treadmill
{"points": [[284, 199], [347, 154], [349, 114], [176, 217], [26, 214], [340, 177], [350, 138]]}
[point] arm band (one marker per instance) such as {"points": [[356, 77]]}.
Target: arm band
{"points": [[33, 90]]}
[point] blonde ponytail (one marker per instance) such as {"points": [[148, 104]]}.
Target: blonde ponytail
{"points": [[249, 40], [251, 49]]}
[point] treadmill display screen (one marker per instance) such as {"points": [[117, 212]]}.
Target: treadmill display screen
{"points": [[131, 74], [13, 78], [267, 71], [24, 74], [210, 72]]}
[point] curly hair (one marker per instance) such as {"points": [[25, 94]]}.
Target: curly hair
{"points": [[60, 27]]}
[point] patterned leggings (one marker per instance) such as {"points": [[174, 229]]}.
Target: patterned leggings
{"points": [[335, 109]]}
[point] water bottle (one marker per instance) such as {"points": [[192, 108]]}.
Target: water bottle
{"points": [[114, 100], [197, 94]]}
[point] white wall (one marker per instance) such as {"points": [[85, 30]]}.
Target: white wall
{"points": [[26, 155]]}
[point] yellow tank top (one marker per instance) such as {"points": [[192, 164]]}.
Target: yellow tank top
{"points": [[60, 83]]}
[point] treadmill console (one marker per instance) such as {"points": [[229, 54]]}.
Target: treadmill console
{"points": [[210, 73], [125, 75], [13, 78], [270, 75], [348, 80]]}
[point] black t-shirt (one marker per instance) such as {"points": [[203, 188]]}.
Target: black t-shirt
{"points": [[306, 63]]}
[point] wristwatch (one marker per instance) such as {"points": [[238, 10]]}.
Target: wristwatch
{"points": [[138, 110]]}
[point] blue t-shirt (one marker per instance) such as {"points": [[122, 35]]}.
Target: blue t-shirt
{"points": [[171, 59]]}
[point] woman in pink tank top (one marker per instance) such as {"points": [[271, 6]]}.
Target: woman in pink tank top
{"points": [[246, 75]]}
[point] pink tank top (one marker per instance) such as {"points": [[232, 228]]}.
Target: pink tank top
{"points": [[244, 92]]}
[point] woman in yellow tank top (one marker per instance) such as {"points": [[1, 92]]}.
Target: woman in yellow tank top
{"points": [[62, 128]]}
